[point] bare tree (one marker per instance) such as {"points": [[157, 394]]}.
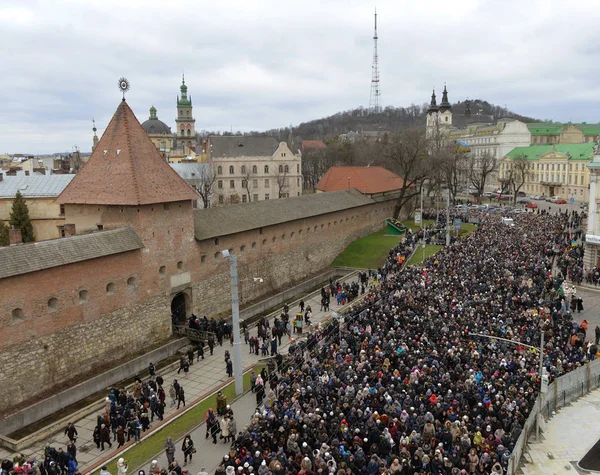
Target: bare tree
{"points": [[246, 175], [407, 154], [450, 161], [205, 184], [480, 168], [280, 174], [518, 173]]}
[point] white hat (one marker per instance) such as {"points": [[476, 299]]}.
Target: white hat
{"points": [[121, 460]]}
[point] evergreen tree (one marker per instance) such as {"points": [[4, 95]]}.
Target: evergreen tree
{"points": [[4, 241], [19, 218]]}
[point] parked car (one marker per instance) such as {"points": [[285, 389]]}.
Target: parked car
{"points": [[523, 201], [503, 197], [552, 199], [521, 193], [531, 205], [560, 202]]}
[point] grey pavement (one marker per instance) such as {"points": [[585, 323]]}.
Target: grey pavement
{"points": [[204, 377]]}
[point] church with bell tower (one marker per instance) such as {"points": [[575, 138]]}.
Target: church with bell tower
{"points": [[439, 115], [185, 122]]}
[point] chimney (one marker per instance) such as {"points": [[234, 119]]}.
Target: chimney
{"points": [[14, 236], [26, 172], [69, 230]]}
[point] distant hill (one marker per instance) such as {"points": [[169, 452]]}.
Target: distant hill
{"points": [[392, 119]]}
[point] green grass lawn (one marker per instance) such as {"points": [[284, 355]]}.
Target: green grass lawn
{"points": [[154, 444], [417, 257], [466, 229], [410, 224], [368, 252]]}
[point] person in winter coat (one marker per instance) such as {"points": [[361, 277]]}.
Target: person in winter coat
{"points": [[96, 436], [225, 429], [121, 467], [188, 449], [170, 450], [232, 428], [181, 397], [71, 432], [120, 436]]}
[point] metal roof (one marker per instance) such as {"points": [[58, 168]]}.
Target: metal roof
{"points": [[26, 258], [213, 222], [237, 146], [34, 186], [576, 151], [191, 171]]}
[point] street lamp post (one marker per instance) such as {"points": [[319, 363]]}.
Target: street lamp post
{"points": [[235, 322], [448, 220], [541, 350]]}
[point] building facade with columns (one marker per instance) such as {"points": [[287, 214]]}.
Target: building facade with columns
{"points": [[591, 256], [554, 170]]}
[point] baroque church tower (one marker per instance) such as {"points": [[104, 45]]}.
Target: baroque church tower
{"points": [[439, 116], [185, 122]]}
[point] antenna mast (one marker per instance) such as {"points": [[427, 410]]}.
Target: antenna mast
{"points": [[375, 99]]}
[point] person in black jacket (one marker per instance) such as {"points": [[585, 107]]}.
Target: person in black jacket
{"points": [[72, 450], [187, 448], [71, 432]]}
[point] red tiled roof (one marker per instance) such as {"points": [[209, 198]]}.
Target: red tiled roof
{"points": [[313, 145], [367, 180], [126, 169]]}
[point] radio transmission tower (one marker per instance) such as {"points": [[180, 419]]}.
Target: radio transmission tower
{"points": [[375, 99]]}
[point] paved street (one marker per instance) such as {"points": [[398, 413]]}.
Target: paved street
{"points": [[203, 377]]}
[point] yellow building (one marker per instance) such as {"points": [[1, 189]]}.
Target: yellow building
{"points": [[160, 133], [551, 133], [40, 193], [554, 170]]}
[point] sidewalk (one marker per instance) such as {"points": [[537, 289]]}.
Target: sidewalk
{"points": [[567, 438], [204, 376]]}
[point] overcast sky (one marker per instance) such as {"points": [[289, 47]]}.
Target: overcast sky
{"points": [[259, 64]]}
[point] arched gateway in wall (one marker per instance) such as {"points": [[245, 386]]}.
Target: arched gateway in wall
{"points": [[180, 308]]}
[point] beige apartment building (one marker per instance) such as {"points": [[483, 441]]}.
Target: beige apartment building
{"points": [[554, 170], [253, 169]]}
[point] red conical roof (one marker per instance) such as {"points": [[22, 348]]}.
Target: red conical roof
{"points": [[126, 169]]}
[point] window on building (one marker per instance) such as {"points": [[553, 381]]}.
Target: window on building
{"points": [[62, 210], [569, 179], [266, 183], [298, 181], [244, 182], [267, 196], [231, 183], [179, 266], [563, 178], [131, 281], [280, 168], [266, 168], [221, 199], [298, 168], [570, 166], [286, 169], [254, 169], [189, 132], [219, 170], [255, 183], [553, 166], [220, 184], [231, 170], [255, 197], [581, 179], [577, 167], [244, 198], [83, 296], [243, 169]]}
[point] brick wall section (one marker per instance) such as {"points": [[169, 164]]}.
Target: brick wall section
{"points": [[45, 346], [282, 255]]}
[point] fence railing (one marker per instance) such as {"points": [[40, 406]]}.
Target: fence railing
{"points": [[561, 391]]}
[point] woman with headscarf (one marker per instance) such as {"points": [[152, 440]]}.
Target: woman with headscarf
{"points": [[170, 450]]}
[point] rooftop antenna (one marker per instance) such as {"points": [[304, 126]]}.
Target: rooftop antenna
{"points": [[375, 99]]}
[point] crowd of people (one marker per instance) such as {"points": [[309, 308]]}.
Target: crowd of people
{"points": [[404, 386], [404, 383]]}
